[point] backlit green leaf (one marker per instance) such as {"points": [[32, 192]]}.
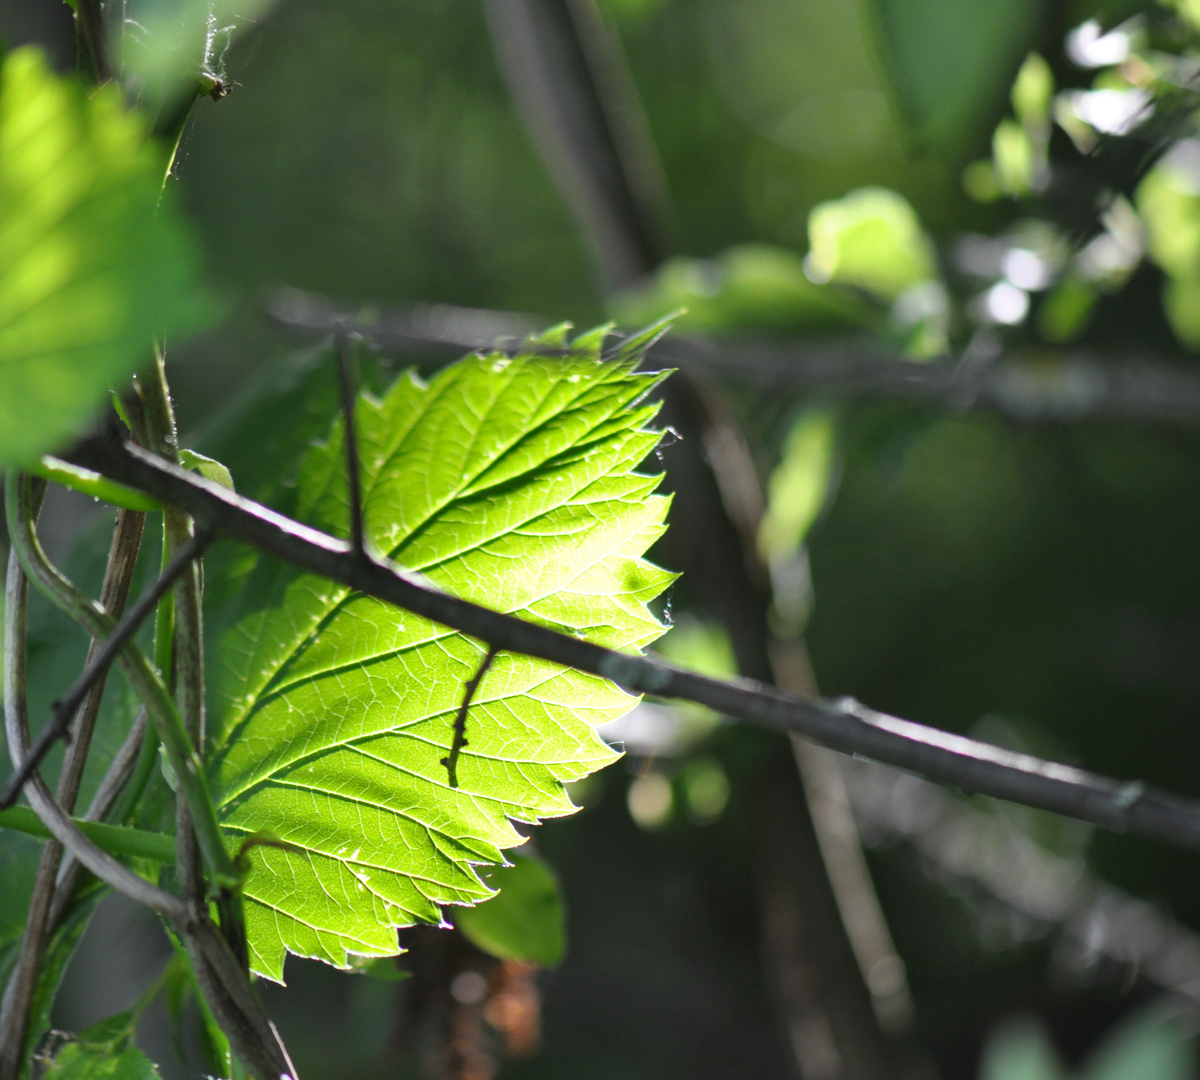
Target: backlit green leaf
{"points": [[91, 266], [509, 481], [872, 239], [525, 920]]}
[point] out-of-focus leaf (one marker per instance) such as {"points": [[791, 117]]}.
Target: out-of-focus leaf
{"points": [[950, 62], [525, 920], [1032, 91], [506, 480], [799, 485], [91, 265], [18, 865], [871, 239], [752, 287], [379, 967], [1153, 1045], [699, 646], [1168, 203], [1013, 158], [1067, 310], [1020, 1051]]}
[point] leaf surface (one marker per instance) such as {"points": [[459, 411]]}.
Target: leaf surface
{"points": [[509, 481], [91, 266]]}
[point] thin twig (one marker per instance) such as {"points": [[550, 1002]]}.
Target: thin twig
{"points": [[460, 720], [844, 725], [255, 1041], [347, 383], [59, 724]]}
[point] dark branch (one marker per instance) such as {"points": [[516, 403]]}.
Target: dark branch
{"points": [[460, 721], [347, 382], [1068, 385], [844, 725], [59, 724]]}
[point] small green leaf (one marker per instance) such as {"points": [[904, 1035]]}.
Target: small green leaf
{"points": [[92, 267], [506, 480], [871, 239], [76, 1061], [525, 920], [105, 1051], [209, 468], [379, 967]]}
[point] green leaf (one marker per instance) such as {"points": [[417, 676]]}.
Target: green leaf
{"points": [[1020, 1050], [525, 920], [799, 485], [209, 468], [1153, 1043], [505, 480], [949, 62], [383, 968], [871, 239], [92, 267], [103, 1052]]}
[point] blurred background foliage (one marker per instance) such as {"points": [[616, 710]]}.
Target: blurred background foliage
{"points": [[942, 175]]}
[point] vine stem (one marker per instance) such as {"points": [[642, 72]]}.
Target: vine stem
{"points": [[144, 679], [81, 706], [844, 724], [97, 667], [223, 980], [16, 728]]}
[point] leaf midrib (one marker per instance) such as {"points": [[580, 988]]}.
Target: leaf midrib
{"points": [[269, 686]]}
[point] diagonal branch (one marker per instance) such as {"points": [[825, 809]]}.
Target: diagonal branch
{"points": [[844, 725], [58, 725]]}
